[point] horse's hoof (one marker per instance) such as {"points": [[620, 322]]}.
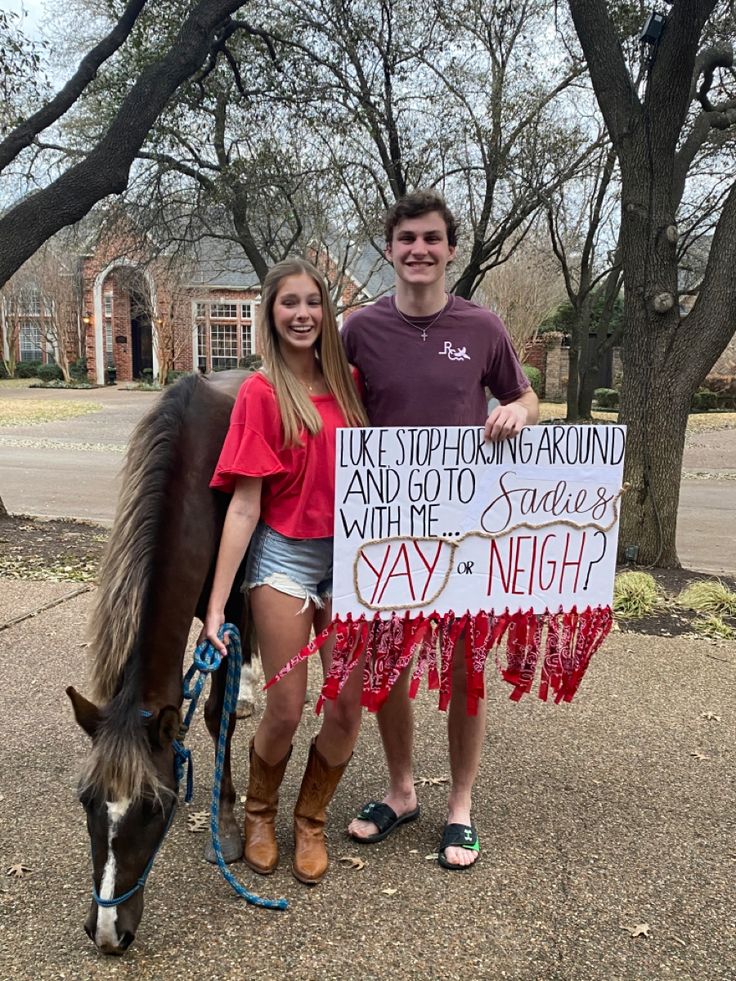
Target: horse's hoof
{"points": [[244, 709], [230, 846]]}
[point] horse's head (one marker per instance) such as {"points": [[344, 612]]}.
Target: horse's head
{"points": [[129, 796]]}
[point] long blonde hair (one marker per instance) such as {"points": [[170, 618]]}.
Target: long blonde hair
{"points": [[296, 407]]}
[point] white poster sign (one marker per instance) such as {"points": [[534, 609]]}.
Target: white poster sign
{"points": [[438, 520]]}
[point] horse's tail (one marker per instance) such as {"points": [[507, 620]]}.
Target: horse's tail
{"points": [[126, 575]]}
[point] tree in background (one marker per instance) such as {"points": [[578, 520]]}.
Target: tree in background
{"points": [[581, 232], [105, 168], [687, 102], [16, 299], [56, 277], [524, 291], [456, 99]]}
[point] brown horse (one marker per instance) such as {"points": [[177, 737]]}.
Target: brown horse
{"points": [[155, 578]]}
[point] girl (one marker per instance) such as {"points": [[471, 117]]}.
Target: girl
{"points": [[278, 461]]}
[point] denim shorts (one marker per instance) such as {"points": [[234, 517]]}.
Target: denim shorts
{"points": [[300, 567]]}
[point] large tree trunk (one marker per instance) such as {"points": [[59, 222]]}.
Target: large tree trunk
{"points": [[578, 353], [656, 417], [665, 358], [656, 396]]}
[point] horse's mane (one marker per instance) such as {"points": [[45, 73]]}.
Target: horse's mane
{"points": [[126, 575], [120, 762]]}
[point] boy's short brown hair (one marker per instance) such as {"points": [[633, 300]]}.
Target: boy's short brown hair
{"points": [[415, 205]]}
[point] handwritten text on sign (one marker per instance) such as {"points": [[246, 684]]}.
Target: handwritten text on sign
{"points": [[438, 520]]}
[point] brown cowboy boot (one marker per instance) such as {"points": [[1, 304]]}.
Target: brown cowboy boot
{"points": [[318, 786], [261, 851]]}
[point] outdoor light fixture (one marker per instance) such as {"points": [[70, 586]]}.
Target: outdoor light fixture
{"points": [[87, 319], [653, 29]]}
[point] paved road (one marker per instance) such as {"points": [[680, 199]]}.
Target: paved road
{"points": [[69, 469]]}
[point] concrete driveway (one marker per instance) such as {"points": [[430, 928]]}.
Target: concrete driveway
{"points": [[596, 818], [70, 468]]}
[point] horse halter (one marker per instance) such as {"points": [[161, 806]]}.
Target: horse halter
{"points": [[206, 660], [182, 759]]}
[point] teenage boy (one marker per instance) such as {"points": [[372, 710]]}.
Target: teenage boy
{"points": [[425, 358]]}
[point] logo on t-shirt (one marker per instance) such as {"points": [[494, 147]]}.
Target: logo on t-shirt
{"points": [[454, 353]]}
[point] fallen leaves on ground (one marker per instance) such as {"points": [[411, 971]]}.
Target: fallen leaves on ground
{"points": [[431, 781], [18, 870], [198, 821], [352, 862], [389, 892], [640, 930], [699, 756], [710, 717]]}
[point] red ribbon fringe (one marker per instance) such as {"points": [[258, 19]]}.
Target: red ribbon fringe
{"points": [[571, 639]]}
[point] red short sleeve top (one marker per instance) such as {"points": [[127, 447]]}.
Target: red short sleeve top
{"points": [[298, 491]]}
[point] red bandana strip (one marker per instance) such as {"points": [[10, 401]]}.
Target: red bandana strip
{"points": [[571, 639]]}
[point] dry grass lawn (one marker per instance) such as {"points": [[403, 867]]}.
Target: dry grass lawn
{"points": [[29, 412], [698, 422]]}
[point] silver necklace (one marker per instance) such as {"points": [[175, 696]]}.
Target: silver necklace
{"points": [[422, 328]]}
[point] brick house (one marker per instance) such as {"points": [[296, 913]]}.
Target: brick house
{"points": [[136, 314]]}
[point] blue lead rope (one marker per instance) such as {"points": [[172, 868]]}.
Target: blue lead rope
{"points": [[206, 660]]}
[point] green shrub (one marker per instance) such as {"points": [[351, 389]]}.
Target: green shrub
{"points": [[708, 596], [635, 594], [704, 400], [50, 372], [78, 369], [147, 376], [27, 369], [534, 377], [3, 370], [607, 398], [713, 626], [175, 376]]}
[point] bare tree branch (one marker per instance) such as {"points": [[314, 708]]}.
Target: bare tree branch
{"points": [[22, 136], [106, 168]]}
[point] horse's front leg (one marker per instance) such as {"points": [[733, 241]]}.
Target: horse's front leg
{"points": [[231, 841]]}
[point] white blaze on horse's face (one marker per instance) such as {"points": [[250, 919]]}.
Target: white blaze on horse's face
{"points": [[106, 934]]}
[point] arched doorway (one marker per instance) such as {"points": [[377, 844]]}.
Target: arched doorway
{"points": [[124, 301]]}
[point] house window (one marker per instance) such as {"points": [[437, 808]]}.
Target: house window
{"points": [[107, 311], [201, 344], [224, 311], [224, 340], [30, 342], [247, 337], [225, 334]]}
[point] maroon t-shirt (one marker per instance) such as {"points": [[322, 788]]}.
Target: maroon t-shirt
{"points": [[439, 381]]}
